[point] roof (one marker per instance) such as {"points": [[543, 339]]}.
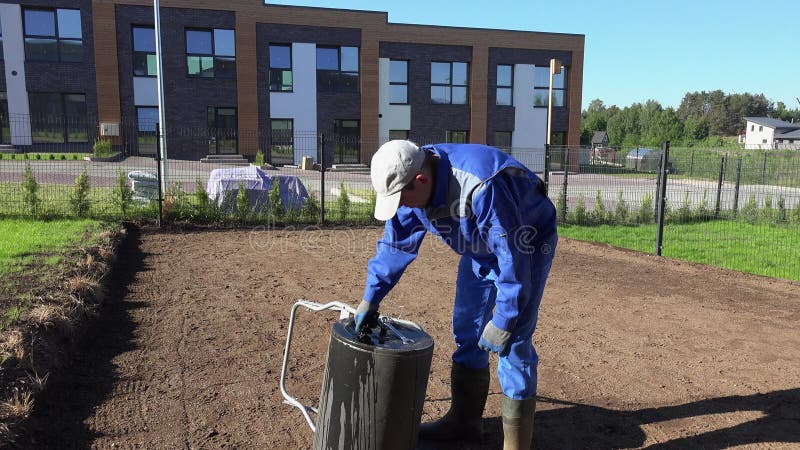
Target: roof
{"points": [[791, 134], [599, 137], [773, 123]]}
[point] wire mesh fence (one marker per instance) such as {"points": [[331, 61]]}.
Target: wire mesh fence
{"points": [[728, 207]]}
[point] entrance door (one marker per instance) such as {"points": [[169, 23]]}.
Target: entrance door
{"points": [[5, 128], [347, 134], [222, 130]]}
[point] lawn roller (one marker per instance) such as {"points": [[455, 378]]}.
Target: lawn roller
{"points": [[374, 383]]}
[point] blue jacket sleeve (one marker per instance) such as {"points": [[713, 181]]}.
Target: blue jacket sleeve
{"points": [[397, 248], [505, 234]]}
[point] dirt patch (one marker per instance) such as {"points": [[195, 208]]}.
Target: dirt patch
{"points": [[636, 351]]}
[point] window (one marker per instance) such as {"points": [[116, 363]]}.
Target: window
{"points": [[752, 128], [280, 68], [505, 85], [1, 42], [541, 85], [348, 137], [502, 140], [58, 118], [281, 146], [211, 53], [144, 52], [457, 137], [5, 127], [398, 82], [449, 83], [222, 138], [146, 120], [763, 141], [398, 134], [760, 128], [337, 69], [53, 35]]}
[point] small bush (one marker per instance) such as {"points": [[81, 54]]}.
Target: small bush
{"points": [[123, 194], [343, 202], [598, 214], [63, 157], [202, 201], [175, 205], [311, 209], [259, 161], [373, 198], [782, 217], [621, 212], [703, 211], [74, 157], [645, 214], [26, 156], [102, 148], [561, 207], [276, 209], [796, 213], [579, 215], [749, 212], [38, 156], [684, 213], [30, 189], [79, 200], [51, 157], [242, 203], [1, 155], [768, 213]]}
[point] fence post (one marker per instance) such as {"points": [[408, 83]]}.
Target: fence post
{"points": [[158, 172], [564, 184], [764, 170], [662, 197], [719, 186], [546, 167], [691, 165], [322, 178], [736, 191]]}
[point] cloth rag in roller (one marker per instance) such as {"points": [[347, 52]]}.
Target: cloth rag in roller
{"points": [[223, 187]]}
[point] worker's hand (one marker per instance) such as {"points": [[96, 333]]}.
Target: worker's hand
{"points": [[366, 315], [494, 339]]}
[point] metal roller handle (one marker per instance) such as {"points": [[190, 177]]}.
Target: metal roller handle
{"points": [[345, 312]]}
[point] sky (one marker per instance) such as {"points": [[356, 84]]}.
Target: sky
{"points": [[637, 50]]}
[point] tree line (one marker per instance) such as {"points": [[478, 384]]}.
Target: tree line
{"points": [[702, 117]]}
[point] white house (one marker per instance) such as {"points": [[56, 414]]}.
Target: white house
{"points": [[766, 133]]}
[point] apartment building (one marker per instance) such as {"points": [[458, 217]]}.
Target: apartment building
{"points": [[242, 76]]}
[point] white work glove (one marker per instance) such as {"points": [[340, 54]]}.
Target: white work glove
{"points": [[494, 339]]}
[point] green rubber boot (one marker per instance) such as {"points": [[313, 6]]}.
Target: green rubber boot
{"points": [[469, 388], [518, 423]]}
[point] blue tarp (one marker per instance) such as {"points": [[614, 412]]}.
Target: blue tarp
{"points": [[223, 186]]}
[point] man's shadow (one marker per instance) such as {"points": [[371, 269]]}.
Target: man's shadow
{"points": [[574, 425]]}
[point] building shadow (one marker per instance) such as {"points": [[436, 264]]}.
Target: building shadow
{"points": [[579, 426], [76, 389]]}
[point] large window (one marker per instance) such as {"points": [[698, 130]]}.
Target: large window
{"points": [[337, 69], [348, 137], [541, 85], [144, 52], [505, 85], [211, 53], [53, 35], [222, 131], [398, 82], [281, 145], [502, 140], [449, 82], [58, 118], [457, 136], [280, 68], [146, 121]]}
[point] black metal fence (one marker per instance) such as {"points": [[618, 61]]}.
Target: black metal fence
{"points": [[723, 194]]}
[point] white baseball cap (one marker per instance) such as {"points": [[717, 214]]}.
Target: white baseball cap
{"points": [[393, 166]]}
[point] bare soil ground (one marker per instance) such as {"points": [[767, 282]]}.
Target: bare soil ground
{"points": [[636, 351]]}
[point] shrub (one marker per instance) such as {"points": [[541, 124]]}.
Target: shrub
{"points": [[122, 194], [74, 157], [311, 209], [645, 214], [703, 211], [51, 156], [63, 157], [1, 155], [768, 213], [202, 200], [242, 203], [598, 214], [38, 156], [561, 207], [372, 198], [276, 208], [30, 190], [685, 211], [749, 212], [343, 202], [259, 161], [796, 213], [102, 148], [621, 212], [782, 209], [79, 200], [175, 204], [26, 156], [579, 215]]}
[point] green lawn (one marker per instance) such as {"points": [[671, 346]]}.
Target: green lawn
{"points": [[771, 250], [21, 240]]}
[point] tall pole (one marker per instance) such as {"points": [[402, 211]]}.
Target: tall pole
{"points": [[161, 109]]}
